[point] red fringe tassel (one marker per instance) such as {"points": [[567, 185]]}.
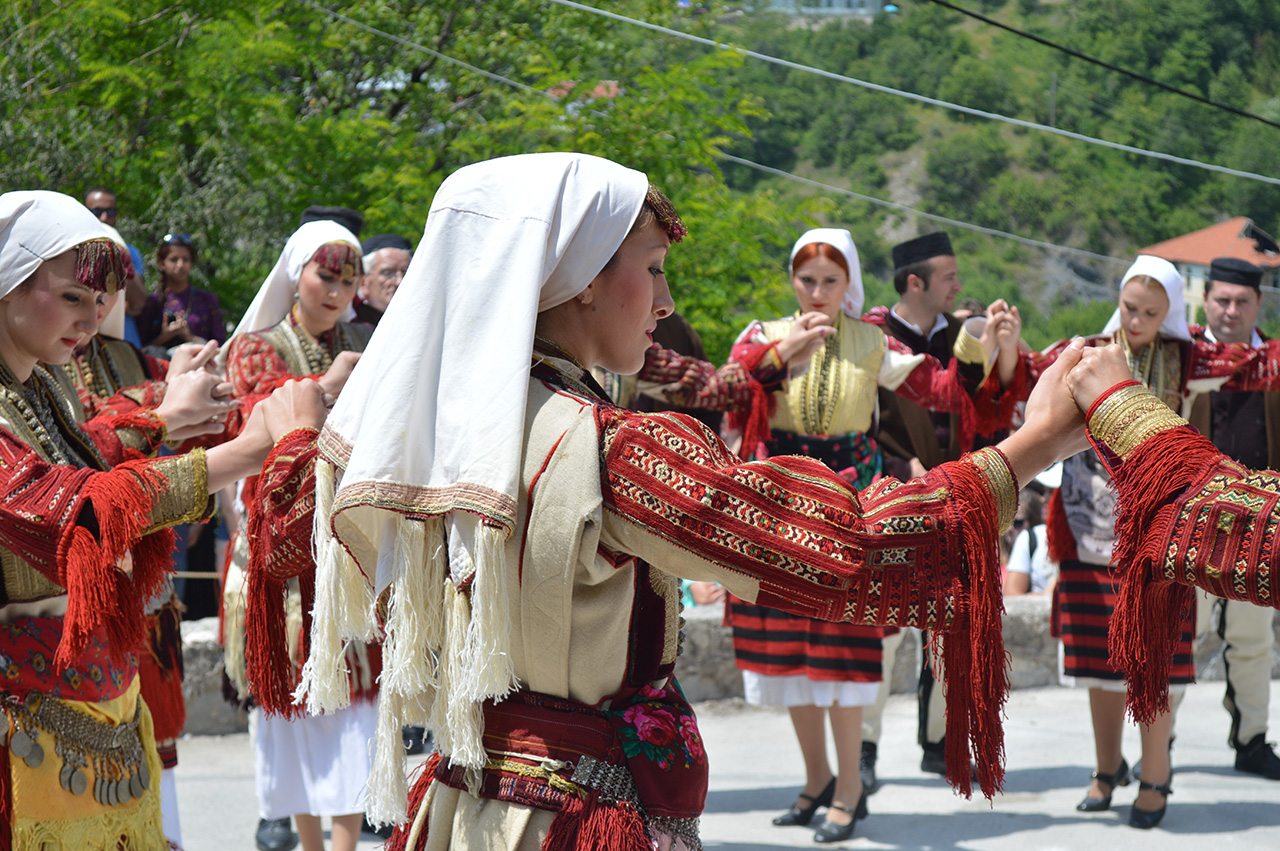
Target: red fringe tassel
{"points": [[1062, 543], [976, 663], [399, 840], [753, 423], [6, 799], [99, 595], [1147, 623], [994, 405], [566, 826]]}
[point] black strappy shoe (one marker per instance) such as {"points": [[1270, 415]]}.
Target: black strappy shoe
{"points": [[1121, 777], [800, 816], [1147, 819], [829, 831]]}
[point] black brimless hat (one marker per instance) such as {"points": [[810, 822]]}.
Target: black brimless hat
{"points": [[1233, 270], [345, 216], [385, 240], [936, 244]]}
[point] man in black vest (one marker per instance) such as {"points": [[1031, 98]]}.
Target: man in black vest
{"points": [[914, 440], [1246, 427]]}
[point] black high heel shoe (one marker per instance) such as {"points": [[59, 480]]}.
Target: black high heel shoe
{"points": [[800, 816], [1147, 819], [1121, 777], [829, 831]]}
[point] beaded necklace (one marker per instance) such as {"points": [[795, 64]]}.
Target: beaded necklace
{"points": [[48, 419], [97, 370], [1153, 368], [319, 355]]}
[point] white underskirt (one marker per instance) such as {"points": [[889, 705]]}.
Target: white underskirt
{"points": [[317, 764], [799, 690], [1113, 686]]}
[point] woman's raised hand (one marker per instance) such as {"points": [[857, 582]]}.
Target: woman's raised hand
{"points": [[296, 404], [806, 336], [190, 357], [195, 404]]}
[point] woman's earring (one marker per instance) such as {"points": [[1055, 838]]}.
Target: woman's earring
{"points": [[582, 297]]}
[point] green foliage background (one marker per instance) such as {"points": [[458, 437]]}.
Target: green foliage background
{"points": [[225, 118]]}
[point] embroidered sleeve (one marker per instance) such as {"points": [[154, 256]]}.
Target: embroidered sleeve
{"points": [[969, 350], [1233, 366], [789, 533], [692, 383], [123, 430], [79, 526], [982, 407], [254, 370], [1187, 516]]}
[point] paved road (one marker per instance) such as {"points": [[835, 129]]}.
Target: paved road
{"points": [[756, 769]]}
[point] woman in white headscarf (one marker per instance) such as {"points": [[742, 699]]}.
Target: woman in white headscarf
{"points": [[825, 410], [1150, 325], [86, 544], [305, 767], [518, 540]]}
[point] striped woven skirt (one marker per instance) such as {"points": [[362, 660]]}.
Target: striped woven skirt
{"points": [[1083, 602]]}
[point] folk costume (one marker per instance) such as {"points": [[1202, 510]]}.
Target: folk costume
{"points": [[315, 765], [825, 409], [517, 540], [1188, 517], [112, 376], [1082, 530], [81, 504]]}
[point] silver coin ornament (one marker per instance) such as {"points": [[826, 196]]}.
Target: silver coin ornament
{"points": [[20, 744], [35, 756], [78, 782], [123, 795], [64, 775], [135, 786], [145, 774]]}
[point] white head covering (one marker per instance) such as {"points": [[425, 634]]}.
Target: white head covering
{"points": [[113, 322], [38, 225], [841, 240], [275, 297], [427, 438], [1175, 321]]}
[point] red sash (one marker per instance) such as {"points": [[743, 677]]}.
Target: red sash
{"points": [[27, 648]]}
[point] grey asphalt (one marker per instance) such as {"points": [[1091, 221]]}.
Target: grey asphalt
{"points": [[756, 770]]}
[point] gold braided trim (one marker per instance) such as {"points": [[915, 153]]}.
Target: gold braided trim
{"points": [[1000, 480], [544, 769], [186, 498], [1129, 416]]}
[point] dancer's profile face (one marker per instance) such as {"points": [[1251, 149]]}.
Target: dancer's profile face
{"points": [[627, 299]]}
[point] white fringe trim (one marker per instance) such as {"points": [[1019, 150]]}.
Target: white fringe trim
{"points": [[388, 798]]}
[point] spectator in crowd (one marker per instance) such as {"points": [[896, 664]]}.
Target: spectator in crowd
{"points": [[103, 204], [1030, 571], [179, 312], [386, 259]]}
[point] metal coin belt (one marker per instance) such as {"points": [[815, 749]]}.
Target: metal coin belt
{"points": [[113, 752]]}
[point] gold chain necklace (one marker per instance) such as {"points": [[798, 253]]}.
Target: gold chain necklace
{"points": [[319, 357], [819, 386]]}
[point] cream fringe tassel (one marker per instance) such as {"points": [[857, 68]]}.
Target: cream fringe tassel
{"points": [[445, 651], [344, 609]]}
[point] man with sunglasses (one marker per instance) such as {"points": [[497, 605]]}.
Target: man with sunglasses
{"points": [[102, 203]]}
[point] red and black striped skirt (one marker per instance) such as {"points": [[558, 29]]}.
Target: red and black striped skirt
{"points": [[777, 644], [1083, 601]]}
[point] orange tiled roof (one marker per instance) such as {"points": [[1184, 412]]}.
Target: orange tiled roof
{"points": [[1238, 237]]}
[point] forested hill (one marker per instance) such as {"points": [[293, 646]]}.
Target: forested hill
{"points": [[225, 118], [1014, 179]]}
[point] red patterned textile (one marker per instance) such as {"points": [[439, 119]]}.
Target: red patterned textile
{"points": [[42, 507], [160, 671], [254, 369], [920, 553], [27, 648], [692, 383]]}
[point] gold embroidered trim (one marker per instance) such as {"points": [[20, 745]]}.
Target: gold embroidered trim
{"points": [[1128, 417], [186, 498], [1000, 479]]}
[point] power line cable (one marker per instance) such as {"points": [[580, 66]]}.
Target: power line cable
{"points": [[1087, 58], [750, 164], [968, 110], [1025, 240]]}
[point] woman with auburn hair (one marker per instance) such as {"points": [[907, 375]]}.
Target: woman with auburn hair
{"points": [[825, 409], [84, 533], [517, 540]]}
